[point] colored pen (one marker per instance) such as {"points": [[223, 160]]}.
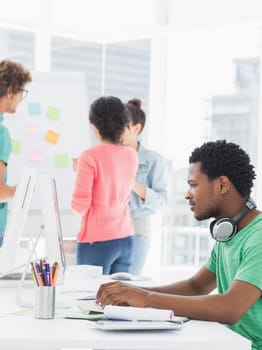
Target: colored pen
{"points": [[51, 275], [55, 272], [34, 273], [39, 274], [47, 270], [44, 270]]}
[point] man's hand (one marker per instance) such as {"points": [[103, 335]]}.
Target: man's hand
{"points": [[118, 293]]}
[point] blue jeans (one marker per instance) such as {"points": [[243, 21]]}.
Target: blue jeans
{"points": [[141, 246], [114, 255]]}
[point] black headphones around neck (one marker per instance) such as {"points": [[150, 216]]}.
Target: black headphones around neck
{"points": [[222, 230]]}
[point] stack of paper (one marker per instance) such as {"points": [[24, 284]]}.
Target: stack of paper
{"points": [[130, 313]]}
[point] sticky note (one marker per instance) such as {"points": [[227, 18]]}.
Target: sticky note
{"points": [[34, 108], [33, 128], [35, 155], [16, 146], [62, 161], [52, 137], [53, 113]]}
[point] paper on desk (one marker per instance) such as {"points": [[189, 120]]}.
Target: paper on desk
{"points": [[131, 313]]}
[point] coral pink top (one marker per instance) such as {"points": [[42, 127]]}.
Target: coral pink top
{"points": [[104, 180]]}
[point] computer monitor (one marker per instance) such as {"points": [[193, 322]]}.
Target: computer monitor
{"points": [[16, 221], [52, 224]]}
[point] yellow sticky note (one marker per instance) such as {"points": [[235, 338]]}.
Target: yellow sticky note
{"points": [[16, 146], [53, 113], [52, 137], [62, 161]]}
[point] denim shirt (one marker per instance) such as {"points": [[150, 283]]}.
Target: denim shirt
{"points": [[150, 173], [5, 150]]}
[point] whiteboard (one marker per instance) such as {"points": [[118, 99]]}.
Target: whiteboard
{"points": [[50, 127]]}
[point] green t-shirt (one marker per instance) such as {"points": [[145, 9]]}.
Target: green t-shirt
{"points": [[5, 150], [241, 259]]}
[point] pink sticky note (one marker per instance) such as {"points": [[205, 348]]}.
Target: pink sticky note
{"points": [[33, 128], [35, 155]]}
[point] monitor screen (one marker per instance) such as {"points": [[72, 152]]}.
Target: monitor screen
{"points": [[52, 224], [16, 221]]}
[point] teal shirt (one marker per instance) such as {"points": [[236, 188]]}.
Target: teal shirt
{"points": [[241, 259], [5, 150]]}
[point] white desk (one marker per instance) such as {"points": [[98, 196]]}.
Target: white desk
{"points": [[25, 332]]}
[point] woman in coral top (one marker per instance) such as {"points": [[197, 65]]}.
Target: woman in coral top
{"points": [[105, 175]]}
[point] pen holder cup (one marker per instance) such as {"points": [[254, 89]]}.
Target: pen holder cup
{"points": [[45, 302]]}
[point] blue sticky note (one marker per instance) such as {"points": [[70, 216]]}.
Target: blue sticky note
{"points": [[34, 108]]}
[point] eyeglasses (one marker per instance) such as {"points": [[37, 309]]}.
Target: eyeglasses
{"points": [[24, 93]]}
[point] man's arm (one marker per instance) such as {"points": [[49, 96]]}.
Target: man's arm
{"points": [[195, 304], [6, 192], [224, 308], [203, 282]]}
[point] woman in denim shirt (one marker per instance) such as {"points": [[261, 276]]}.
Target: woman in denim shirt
{"points": [[149, 190]]}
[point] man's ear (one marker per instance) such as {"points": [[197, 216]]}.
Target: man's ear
{"points": [[224, 184], [9, 92]]}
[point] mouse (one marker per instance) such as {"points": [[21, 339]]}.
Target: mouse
{"points": [[121, 276]]}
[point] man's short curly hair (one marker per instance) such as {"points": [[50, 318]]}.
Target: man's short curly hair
{"points": [[110, 117], [13, 76], [222, 158]]}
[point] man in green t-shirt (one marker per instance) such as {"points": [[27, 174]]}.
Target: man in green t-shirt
{"points": [[13, 78], [220, 180]]}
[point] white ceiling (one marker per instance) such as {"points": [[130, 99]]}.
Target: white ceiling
{"points": [[117, 20]]}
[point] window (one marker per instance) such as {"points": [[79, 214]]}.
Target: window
{"points": [[212, 93], [79, 56], [18, 45], [119, 69]]}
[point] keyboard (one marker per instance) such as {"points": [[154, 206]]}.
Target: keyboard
{"points": [[89, 305], [16, 276]]}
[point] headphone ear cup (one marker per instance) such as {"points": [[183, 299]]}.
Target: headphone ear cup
{"points": [[223, 230], [211, 225]]}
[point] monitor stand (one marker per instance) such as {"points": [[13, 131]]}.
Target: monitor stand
{"points": [[19, 300], [29, 303], [15, 275]]}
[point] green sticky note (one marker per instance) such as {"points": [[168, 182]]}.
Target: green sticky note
{"points": [[53, 113], [62, 161], [16, 146]]}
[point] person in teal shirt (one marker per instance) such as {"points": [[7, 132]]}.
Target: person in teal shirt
{"points": [[220, 179], [13, 78]]}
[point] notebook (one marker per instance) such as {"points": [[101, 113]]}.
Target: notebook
{"points": [[115, 325], [128, 313]]}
